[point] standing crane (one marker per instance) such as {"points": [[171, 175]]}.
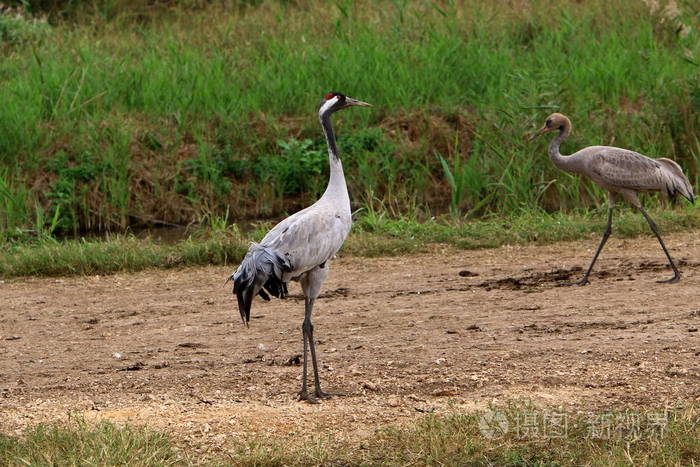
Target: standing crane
{"points": [[619, 171], [301, 246]]}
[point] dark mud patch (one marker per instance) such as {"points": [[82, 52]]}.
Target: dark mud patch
{"points": [[563, 277], [534, 280]]}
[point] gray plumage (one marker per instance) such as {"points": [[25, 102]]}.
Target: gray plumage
{"points": [[619, 171], [302, 245]]}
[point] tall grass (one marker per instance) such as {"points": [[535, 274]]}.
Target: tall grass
{"points": [[161, 117]]}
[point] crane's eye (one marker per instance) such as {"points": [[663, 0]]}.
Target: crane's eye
{"points": [[329, 96], [548, 122]]}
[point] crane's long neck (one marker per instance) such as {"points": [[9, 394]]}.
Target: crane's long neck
{"points": [[337, 188], [566, 163]]}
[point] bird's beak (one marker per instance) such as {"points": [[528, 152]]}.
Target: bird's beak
{"points": [[350, 101], [544, 129]]}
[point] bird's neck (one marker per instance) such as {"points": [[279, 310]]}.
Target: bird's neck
{"points": [[337, 188], [562, 162]]}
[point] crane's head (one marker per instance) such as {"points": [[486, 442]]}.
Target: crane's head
{"points": [[335, 101], [556, 121]]}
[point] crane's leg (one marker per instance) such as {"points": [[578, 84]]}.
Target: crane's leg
{"points": [[676, 273], [606, 235], [307, 333], [311, 285], [317, 381]]}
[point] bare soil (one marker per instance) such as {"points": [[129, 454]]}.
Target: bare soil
{"points": [[400, 336]]}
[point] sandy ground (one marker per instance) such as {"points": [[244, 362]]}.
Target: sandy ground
{"points": [[450, 330]]}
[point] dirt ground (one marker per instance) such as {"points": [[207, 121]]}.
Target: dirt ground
{"points": [[400, 336]]}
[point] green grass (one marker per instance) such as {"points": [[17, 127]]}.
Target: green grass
{"points": [[456, 440], [372, 235], [670, 438], [78, 444], [115, 116], [49, 257]]}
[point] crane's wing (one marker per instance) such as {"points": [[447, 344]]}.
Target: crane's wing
{"points": [[621, 168], [310, 237], [677, 181]]}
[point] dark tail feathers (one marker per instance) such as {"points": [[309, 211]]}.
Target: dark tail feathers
{"points": [[677, 182], [260, 271]]}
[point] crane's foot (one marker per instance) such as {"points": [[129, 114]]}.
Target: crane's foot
{"points": [[327, 395], [583, 281], [305, 396], [675, 278]]}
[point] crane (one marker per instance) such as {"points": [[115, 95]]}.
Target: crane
{"points": [[301, 246], [619, 172]]}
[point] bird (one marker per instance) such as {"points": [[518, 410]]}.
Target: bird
{"points": [[301, 247], [619, 172]]}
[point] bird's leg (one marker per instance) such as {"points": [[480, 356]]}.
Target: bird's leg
{"points": [[307, 335], [317, 380], [606, 235], [676, 273], [311, 285]]}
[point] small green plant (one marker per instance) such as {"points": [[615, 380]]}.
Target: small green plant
{"points": [[210, 169], [457, 179], [45, 229], [296, 169], [217, 224], [69, 190]]}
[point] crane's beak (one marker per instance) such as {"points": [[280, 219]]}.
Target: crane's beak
{"points": [[349, 101], [544, 129]]}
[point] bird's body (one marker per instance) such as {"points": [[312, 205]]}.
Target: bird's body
{"points": [[314, 235], [624, 171], [619, 171], [301, 246]]}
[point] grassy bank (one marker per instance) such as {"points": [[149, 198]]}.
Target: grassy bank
{"points": [[633, 438], [119, 117], [373, 235]]}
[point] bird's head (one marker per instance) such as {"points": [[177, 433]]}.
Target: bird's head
{"points": [[556, 121], [335, 101]]}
